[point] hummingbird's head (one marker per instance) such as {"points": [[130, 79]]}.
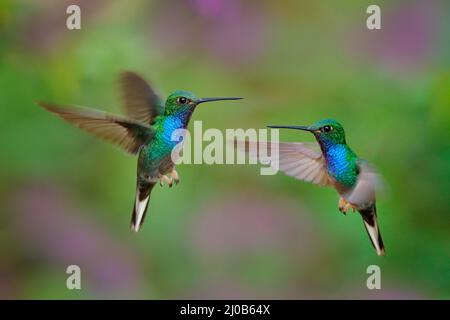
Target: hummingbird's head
{"points": [[187, 101], [327, 131]]}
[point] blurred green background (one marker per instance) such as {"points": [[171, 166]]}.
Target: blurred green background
{"points": [[225, 231]]}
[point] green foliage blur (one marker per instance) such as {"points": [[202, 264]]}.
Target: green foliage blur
{"points": [[225, 231]]}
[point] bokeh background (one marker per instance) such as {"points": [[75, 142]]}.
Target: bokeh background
{"points": [[225, 231]]}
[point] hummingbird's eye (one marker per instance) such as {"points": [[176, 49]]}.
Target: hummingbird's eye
{"points": [[182, 100], [327, 128]]}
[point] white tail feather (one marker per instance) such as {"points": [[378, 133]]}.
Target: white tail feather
{"points": [[140, 208], [375, 237]]}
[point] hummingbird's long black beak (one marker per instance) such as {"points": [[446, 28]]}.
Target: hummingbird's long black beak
{"points": [[304, 128], [202, 100]]}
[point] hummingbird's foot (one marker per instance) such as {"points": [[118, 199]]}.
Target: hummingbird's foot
{"points": [[174, 175], [166, 179], [341, 205], [344, 206]]}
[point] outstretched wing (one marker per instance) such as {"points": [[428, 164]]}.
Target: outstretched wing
{"points": [[298, 160], [369, 181], [139, 99], [125, 133]]}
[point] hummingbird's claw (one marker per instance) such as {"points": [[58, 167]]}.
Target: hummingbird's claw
{"points": [[174, 175], [344, 206], [170, 178], [166, 179], [341, 205]]}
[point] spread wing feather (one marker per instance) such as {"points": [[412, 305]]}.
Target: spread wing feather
{"points": [[128, 134], [140, 101], [298, 160]]}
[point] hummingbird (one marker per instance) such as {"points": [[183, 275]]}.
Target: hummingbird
{"points": [[146, 131], [335, 165]]}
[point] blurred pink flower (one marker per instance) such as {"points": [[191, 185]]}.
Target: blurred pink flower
{"points": [[251, 224], [230, 31], [221, 289], [54, 230], [9, 282], [213, 8], [408, 37], [45, 28], [247, 232], [390, 293]]}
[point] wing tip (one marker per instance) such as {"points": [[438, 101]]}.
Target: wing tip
{"points": [[45, 105], [54, 108], [127, 76], [126, 73]]}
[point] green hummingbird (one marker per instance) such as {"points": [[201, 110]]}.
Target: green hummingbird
{"points": [[335, 165], [147, 131]]}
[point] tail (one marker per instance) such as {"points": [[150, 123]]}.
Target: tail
{"points": [[140, 204], [369, 216]]}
